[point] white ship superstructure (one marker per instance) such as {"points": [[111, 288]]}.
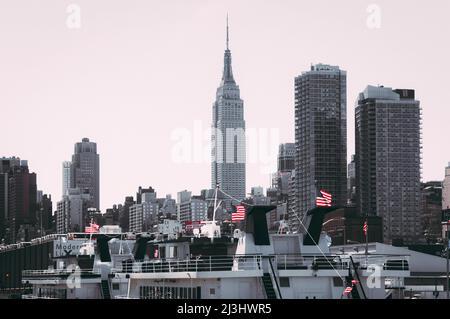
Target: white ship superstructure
{"points": [[251, 264]]}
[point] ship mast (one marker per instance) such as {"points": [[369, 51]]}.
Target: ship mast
{"points": [[216, 206]]}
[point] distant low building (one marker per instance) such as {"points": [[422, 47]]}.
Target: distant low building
{"points": [[432, 211], [191, 208], [45, 223], [112, 215], [124, 214], [351, 182], [169, 207], [72, 211], [446, 189], [143, 216], [149, 193]]}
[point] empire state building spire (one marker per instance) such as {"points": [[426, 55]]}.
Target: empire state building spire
{"points": [[227, 70], [228, 38]]}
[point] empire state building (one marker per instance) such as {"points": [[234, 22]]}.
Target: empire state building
{"points": [[228, 135]]}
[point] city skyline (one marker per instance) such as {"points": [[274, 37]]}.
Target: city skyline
{"points": [[116, 90]]}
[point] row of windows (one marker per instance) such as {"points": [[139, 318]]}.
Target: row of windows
{"points": [[52, 293], [164, 292]]}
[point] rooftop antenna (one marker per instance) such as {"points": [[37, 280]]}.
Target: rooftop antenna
{"points": [[228, 38]]}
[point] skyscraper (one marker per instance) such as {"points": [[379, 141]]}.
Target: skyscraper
{"points": [[388, 148], [320, 135], [286, 164], [66, 167], [22, 201], [85, 170], [228, 134], [286, 157], [6, 165]]}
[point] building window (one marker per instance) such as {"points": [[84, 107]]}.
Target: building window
{"points": [[337, 282], [173, 250], [284, 282]]}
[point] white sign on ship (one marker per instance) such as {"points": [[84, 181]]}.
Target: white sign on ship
{"points": [[63, 248]]}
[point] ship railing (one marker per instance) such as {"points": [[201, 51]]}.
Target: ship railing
{"points": [[386, 262], [305, 262], [124, 297], [60, 272], [341, 262], [36, 297], [200, 264]]}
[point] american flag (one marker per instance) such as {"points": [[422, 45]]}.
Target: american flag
{"points": [[348, 290], [365, 228], [93, 228], [324, 200], [239, 214]]}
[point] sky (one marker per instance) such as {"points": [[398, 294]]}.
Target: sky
{"points": [[135, 75]]}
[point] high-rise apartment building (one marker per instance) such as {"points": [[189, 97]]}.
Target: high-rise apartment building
{"points": [[320, 136], [388, 161]]}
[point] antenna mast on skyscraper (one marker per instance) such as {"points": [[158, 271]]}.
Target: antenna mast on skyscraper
{"points": [[228, 38]]}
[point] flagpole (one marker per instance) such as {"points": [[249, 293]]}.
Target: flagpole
{"points": [[367, 240]]}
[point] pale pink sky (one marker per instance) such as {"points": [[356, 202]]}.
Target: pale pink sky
{"points": [[138, 70]]}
